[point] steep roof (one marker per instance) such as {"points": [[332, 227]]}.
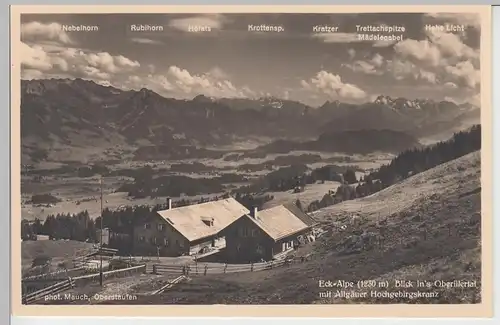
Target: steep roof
{"points": [[193, 221], [307, 219], [278, 222]]}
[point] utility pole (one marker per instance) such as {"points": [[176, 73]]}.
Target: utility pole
{"points": [[100, 253]]}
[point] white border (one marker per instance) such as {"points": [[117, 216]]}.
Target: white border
{"points": [[244, 321]]}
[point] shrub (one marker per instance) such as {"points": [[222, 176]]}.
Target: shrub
{"points": [[40, 261], [44, 199]]}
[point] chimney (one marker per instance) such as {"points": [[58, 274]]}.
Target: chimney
{"points": [[169, 203], [253, 212]]}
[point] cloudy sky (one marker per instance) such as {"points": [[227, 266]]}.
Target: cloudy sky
{"points": [[229, 61]]}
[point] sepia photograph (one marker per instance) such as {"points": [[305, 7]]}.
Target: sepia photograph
{"points": [[250, 158]]}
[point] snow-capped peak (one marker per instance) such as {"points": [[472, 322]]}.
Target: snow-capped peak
{"points": [[272, 101], [398, 103]]}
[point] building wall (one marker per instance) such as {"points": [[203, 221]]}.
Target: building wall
{"points": [[157, 233], [199, 245], [105, 236], [121, 241], [245, 242], [289, 242]]}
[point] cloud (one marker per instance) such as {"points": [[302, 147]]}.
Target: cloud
{"points": [[34, 57], [468, 19], [217, 73], [446, 54], [451, 45], [212, 21], [438, 50], [450, 85], [367, 67], [352, 53], [145, 41], [210, 84], [109, 63], [428, 76], [337, 37], [331, 85], [470, 98], [399, 69], [377, 60], [475, 100], [36, 31], [157, 83], [179, 82], [421, 51], [93, 72], [363, 67], [406, 70], [53, 61], [123, 62], [465, 74], [286, 95], [442, 59], [44, 61]]}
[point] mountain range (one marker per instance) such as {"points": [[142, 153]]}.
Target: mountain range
{"points": [[62, 113]]}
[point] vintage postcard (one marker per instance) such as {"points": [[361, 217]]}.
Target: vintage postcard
{"points": [[251, 161]]}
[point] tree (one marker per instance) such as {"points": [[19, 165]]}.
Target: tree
{"points": [[315, 205], [327, 200], [345, 192], [26, 230], [40, 261], [350, 176]]}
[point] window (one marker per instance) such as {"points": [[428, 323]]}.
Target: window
{"points": [[161, 227], [165, 242], [259, 249], [153, 240], [142, 238], [244, 232], [147, 226], [254, 232], [208, 222], [238, 247]]}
